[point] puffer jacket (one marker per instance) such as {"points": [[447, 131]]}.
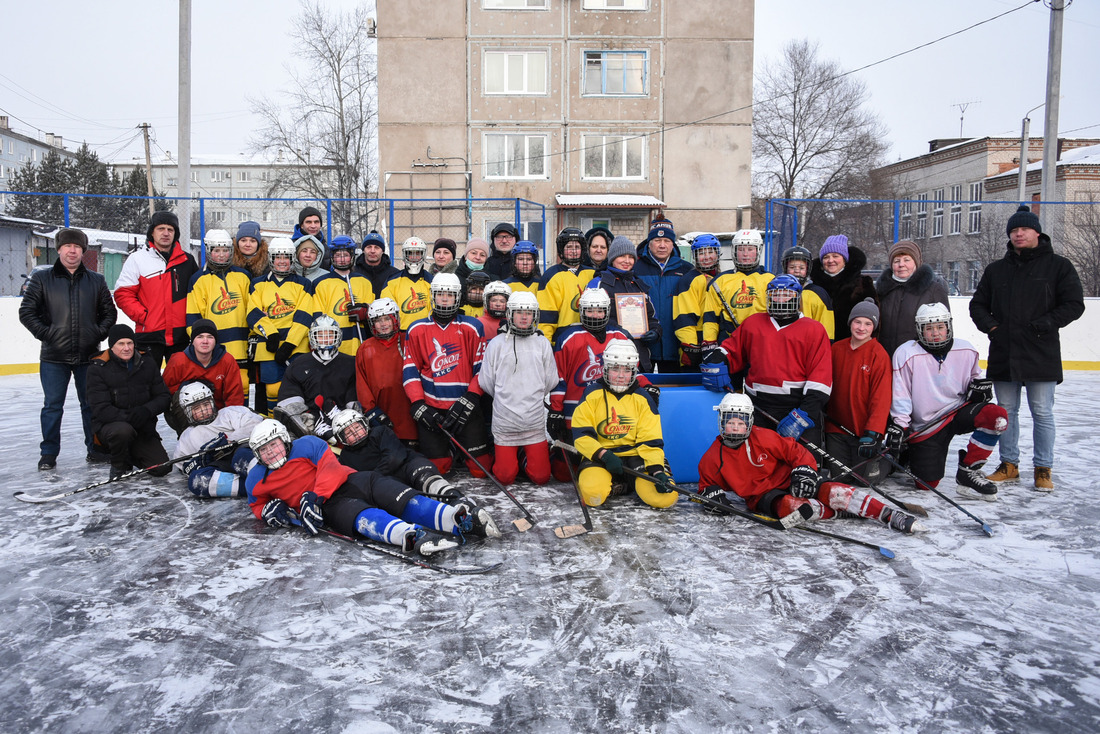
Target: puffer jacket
{"points": [[152, 291], [846, 288], [662, 284], [898, 304], [70, 313], [114, 389]]}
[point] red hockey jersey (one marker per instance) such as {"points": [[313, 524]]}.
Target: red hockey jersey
{"points": [[759, 465], [442, 362]]}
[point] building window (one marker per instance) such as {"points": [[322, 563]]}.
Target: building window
{"points": [[265, 217], [244, 176], [615, 4], [216, 216], [194, 176], [956, 209], [975, 275], [613, 156], [514, 4], [922, 216], [975, 214], [172, 181], [953, 273], [907, 220], [11, 147], [937, 213], [614, 72], [515, 72], [515, 155]]}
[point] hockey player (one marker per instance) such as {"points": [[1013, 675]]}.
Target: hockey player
{"points": [[789, 365], [496, 298], [525, 268], [938, 393], [204, 360], [442, 359], [282, 310], [689, 301], [322, 383], [563, 284], [344, 295], [410, 288], [816, 303], [738, 293], [376, 448], [473, 294], [306, 476], [215, 474], [517, 371], [777, 476], [378, 366], [219, 292]]}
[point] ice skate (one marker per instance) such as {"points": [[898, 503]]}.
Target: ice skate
{"points": [[426, 542], [972, 483]]}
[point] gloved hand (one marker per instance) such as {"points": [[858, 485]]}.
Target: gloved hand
{"points": [[654, 392], [206, 458], [662, 481], [358, 313], [555, 425], [309, 510], [460, 411], [794, 423], [141, 419], [282, 354], [980, 391], [895, 439], [426, 415], [610, 461], [804, 481], [716, 371], [868, 444], [717, 496], [272, 341], [375, 417], [650, 336], [690, 355], [276, 514]]}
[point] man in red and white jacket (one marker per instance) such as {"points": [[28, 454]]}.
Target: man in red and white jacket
{"points": [[152, 289]]}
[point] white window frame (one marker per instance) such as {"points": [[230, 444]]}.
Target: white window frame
{"points": [[975, 275], [601, 145], [922, 216], [511, 56], [615, 5], [606, 85], [515, 5], [244, 176], [906, 220], [956, 208], [508, 162], [937, 213], [974, 217]]}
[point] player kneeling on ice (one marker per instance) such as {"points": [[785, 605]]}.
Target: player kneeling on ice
{"points": [[304, 475], [220, 472], [378, 449], [777, 476], [616, 425], [518, 370], [938, 393]]}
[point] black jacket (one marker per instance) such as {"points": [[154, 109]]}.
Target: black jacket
{"points": [[1021, 302], [898, 303], [846, 288], [70, 313], [115, 391], [376, 274], [616, 282]]}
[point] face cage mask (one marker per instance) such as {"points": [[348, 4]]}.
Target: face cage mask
{"points": [[527, 331], [618, 388], [929, 344], [783, 309]]}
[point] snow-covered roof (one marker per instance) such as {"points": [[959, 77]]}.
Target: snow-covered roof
{"points": [[621, 200], [1086, 156]]}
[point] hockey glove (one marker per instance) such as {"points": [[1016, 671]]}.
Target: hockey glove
{"points": [[650, 336], [654, 392], [716, 371], [663, 482], [460, 412], [715, 496], [981, 391], [895, 439], [690, 355], [272, 341], [309, 509], [793, 425], [426, 415], [276, 514], [376, 417], [610, 461], [868, 444], [804, 482], [282, 354], [207, 457], [358, 313], [555, 425]]}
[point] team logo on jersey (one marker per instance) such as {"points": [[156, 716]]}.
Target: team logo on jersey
{"points": [[415, 303], [281, 308], [745, 295], [341, 307], [590, 371], [226, 302], [574, 304], [445, 358], [615, 426]]}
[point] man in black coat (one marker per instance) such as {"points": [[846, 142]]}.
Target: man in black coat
{"points": [[69, 309], [374, 263], [503, 239], [1022, 301], [127, 394]]}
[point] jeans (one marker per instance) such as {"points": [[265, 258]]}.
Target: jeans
{"points": [[1040, 399], [55, 385]]}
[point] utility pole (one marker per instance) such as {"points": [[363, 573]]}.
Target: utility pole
{"points": [[184, 112], [962, 113], [1054, 85], [1025, 142], [148, 169]]}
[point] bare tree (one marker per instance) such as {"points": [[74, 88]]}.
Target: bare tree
{"points": [[1082, 243], [812, 136], [325, 125]]}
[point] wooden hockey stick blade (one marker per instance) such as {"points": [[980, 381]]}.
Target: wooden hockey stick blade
{"points": [[522, 524], [570, 531]]}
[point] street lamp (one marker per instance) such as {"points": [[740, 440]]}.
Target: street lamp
{"points": [[1023, 153]]}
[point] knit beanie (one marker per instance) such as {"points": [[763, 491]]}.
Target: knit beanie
{"points": [[905, 247], [865, 309], [163, 217], [837, 243], [620, 246], [72, 237], [204, 326], [249, 229], [662, 228], [1024, 218], [447, 244], [477, 244], [307, 212], [119, 331]]}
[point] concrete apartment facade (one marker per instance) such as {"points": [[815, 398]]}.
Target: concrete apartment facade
{"points": [[605, 111], [17, 150]]}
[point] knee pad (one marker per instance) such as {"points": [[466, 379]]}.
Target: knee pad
{"points": [[991, 419], [595, 484], [210, 482]]}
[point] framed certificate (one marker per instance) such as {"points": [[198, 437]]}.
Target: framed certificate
{"points": [[630, 312]]}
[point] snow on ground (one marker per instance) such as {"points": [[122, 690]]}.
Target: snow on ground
{"points": [[137, 608]]}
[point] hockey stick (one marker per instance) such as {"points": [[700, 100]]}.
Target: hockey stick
{"points": [[570, 531], [40, 499], [915, 509], [921, 483], [523, 524]]}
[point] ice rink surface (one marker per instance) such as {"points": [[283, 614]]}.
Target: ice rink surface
{"points": [[138, 608]]}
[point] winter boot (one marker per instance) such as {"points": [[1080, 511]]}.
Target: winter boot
{"points": [[971, 483], [426, 542], [473, 520], [1043, 482], [1006, 472], [903, 522]]}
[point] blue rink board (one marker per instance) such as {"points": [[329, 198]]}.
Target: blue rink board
{"points": [[688, 422]]}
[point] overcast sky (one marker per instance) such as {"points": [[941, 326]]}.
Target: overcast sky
{"points": [[94, 71]]}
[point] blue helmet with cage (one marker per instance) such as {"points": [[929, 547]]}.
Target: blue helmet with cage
{"points": [[784, 295]]}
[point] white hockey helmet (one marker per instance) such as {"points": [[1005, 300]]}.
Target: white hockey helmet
{"points": [[350, 427], [281, 246], [594, 298], [325, 337], [933, 313], [383, 311], [497, 288], [219, 246], [446, 283], [265, 443], [412, 252], [734, 405], [745, 242], [196, 400], [522, 301], [620, 353]]}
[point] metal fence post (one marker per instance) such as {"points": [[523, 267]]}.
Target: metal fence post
{"points": [[328, 218], [65, 206]]}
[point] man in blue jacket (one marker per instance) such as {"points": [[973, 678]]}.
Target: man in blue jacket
{"points": [[660, 267]]}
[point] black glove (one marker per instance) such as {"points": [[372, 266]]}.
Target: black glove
{"points": [[868, 444], [358, 313], [717, 496], [272, 341], [426, 415], [895, 439], [555, 425], [663, 482], [309, 509], [690, 355], [460, 411], [282, 354], [141, 418], [654, 392], [650, 336], [375, 417], [610, 461], [206, 458], [981, 391], [276, 514], [804, 482]]}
